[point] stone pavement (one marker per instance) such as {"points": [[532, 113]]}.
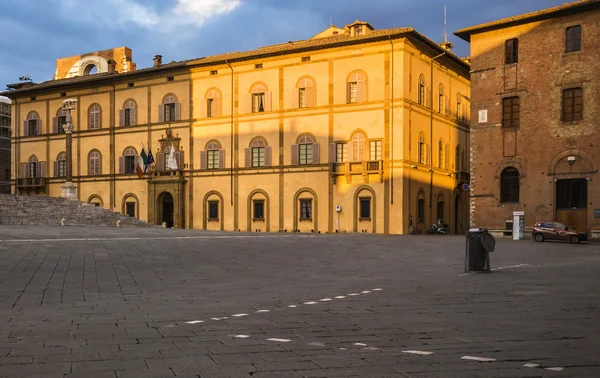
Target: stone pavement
{"points": [[127, 303]]}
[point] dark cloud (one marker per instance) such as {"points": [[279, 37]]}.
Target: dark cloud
{"points": [[33, 33]]}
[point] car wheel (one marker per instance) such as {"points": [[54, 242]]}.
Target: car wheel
{"points": [[539, 237], [574, 239]]}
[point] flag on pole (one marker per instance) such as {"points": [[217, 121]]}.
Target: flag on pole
{"points": [[172, 161], [150, 159], [138, 168], [144, 157]]}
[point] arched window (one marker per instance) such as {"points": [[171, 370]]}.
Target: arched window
{"points": [[213, 103], [169, 110], [358, 147], [128, 115], [130, 205], [34, 170], [356, 88], [32, 125], [258, 147], [261, 98], [459, 112], [421, 206], [213, 157], [421, 92], [441, 99], [440, 153], [96, 200], [60, 165], [94, 119], [440, 207], [509, 185], [305, 149], [90, 69], [421, 148], [59, 121], [127, 162], [459, 159], [304, 94], [94, 163]]}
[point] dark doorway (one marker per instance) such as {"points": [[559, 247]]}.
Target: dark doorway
{"points": [[456, 213], [130, 209], [167, 207], [571, 203]]}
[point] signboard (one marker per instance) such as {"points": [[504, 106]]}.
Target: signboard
{"points": [[597, 213], [465, 187], [483, 116]]}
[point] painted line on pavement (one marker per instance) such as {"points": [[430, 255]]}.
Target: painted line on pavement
{"points": [[279, 340], [478, 359], [195, 321], [239, 315], [155, 238], [419, 352], [242, 336], [531, 365], [555, 369]]}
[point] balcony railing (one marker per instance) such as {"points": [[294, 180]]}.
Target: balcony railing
{"points": [[32, 182], [357, 167], [462, 176]]}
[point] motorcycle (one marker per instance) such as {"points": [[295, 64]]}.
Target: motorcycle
{"points": [[438, 228]]}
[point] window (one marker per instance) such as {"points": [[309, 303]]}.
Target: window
{"points": [[571, 194], [459, 114], [259, 209], [169, 108], [421, 92], [130, 157], [353, 92], [258, 102], [60, 169], [440, 208], [305, 150], [213, 155], [459, 158], [302, 98], [214, 72], [259, 65], [212, 103], [358, 147], [306, 209], [32, 124], [306, 58], [421, 149], [209, 107], [421, 210], [365, 208], [129, 113], [258, 153], [33, 167], [356, 88], [94, 163], [572, 105], [375, 150], [509, 185], [94, 117], [511, 51], [440, 153], [358, 30], [441, 99], [213, 210], [61, 120], [573, 42], [510, 112], [341, 152]]}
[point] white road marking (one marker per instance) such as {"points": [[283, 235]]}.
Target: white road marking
{"points": [[195, 321], [478, 359], [242, 336], [360, 344], [365, 292], [239, 315], [155, 238], [419, 352], [292, 306], [378, 289], [325, 300], [531, 365], [340, 297], [310, 303], [342, 348], [555, 369], [354, 294], [280, 340], [317, 344], [261, 311]]}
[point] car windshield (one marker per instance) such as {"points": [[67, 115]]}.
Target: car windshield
{"points": [[560, 226]]}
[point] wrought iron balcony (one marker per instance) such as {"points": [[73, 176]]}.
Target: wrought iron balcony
{"points": [[31, 182], [357, 167]]}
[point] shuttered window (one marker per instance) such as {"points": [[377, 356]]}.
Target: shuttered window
{"points": [[421, 92], [94, 168], [511, 51], [358, 147], [572, 105], [356, 88], [573, 39], [94, 117], [375, 150], [258, 102], [421, 149], [341, 152]]}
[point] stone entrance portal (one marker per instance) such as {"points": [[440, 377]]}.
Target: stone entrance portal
{"points": [[166, 209]]}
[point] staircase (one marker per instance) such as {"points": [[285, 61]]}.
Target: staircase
{"points": [[34, 210]]}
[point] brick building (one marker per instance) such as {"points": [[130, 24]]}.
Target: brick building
{"points": [[535, 137], [4, 145]]}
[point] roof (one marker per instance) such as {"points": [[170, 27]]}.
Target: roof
{"points": [[262, 52], [544, 14]]}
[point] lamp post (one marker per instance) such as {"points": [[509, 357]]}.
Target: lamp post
{"points": [[69, 190]]}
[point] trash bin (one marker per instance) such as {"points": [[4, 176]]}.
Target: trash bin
{"points": [[479, 244]]}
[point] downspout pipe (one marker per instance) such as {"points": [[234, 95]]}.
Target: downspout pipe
{"points": [[231, 137], [392, 124], [431, 137]]}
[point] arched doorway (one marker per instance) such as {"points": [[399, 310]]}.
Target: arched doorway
{"points": [[166, 209], [456, 213]]}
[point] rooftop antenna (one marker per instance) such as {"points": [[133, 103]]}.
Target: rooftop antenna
{"points": [[445, 27], [330, 21]]}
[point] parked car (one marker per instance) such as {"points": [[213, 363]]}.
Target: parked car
{"points": [[550, 230]]}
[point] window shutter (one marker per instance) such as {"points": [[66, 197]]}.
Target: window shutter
{"points": [[26, 128], [248, 103], [56, 169], [203, 160], [332, 154], [122, 117], [133, 116], [179, 159], [350, 147], [55, 125], [362, 91], [310, 97], [248, 153], [295, 157], [178, 111], [268, 156], [268, 101], [428, 97], [447, 105], [464, 113], [160, 160], [38, 127], [99, 166], [316, 153], [121, 164], [161, 113], [294, 98], [427, 155], [203, 109], [348, 94], [24, 170], [216, 108], [42, 169], [221, 159]]}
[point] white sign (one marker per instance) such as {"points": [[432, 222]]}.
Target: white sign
{"points": [[483, 116]]}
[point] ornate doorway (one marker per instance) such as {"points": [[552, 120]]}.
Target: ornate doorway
{"points": [[166, 209]]}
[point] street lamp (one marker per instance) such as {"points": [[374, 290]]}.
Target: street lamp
{"points": [[69, 190]]}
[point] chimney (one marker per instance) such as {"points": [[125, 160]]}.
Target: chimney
{"points": [[112, 66], [158, 61], [448, 46]]}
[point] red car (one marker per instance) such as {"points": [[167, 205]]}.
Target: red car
{"points": [[550, 230]]}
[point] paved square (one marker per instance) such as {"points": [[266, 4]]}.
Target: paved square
{"points": [[126, 303]]}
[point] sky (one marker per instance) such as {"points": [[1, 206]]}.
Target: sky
{"points": [[34, 33]]}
